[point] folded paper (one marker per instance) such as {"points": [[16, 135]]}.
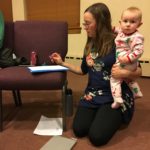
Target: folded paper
{"points": [[52, 68]]}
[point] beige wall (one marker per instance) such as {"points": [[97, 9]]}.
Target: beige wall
{"points": [[76, 42], [18, 8]]}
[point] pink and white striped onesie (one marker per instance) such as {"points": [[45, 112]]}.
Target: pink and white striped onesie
{"points": [[130, 46]]}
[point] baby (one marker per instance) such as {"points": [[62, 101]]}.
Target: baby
{"points": [[129, 48]]}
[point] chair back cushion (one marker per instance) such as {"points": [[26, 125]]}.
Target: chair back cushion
{"points": [[43, 37], [8, 35]]}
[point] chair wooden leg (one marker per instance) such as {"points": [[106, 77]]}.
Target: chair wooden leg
{"points": [[17, 97], [1, 112]]}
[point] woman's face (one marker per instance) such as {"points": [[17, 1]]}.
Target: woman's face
{"points": [[89, 24]]}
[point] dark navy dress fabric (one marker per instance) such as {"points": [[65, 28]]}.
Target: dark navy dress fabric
{"points": [[99, 86]]}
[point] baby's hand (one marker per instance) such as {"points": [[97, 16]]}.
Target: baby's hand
{"points": [[123, 60]]}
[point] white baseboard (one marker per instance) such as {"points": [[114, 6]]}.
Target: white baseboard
{"points": [[73, 60], [145, 64]]}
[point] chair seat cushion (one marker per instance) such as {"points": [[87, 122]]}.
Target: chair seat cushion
{"points": [[21, 78]]}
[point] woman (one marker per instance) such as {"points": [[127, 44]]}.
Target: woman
{"points": [[94, 117]]}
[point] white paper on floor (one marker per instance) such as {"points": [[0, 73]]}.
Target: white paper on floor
{"points": [[49, 126]]}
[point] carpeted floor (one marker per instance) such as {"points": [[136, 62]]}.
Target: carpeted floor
{"points": [[19, 122]]}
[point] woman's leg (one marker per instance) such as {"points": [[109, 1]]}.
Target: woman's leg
{"points": [[82, 121], [107, 121]]}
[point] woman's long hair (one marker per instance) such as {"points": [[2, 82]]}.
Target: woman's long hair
{"points": [[104, 39]]}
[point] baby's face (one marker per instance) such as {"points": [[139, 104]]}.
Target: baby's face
{"points": [[129, 22]]}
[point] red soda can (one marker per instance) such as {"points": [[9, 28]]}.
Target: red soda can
{"points": [[33, 60]]}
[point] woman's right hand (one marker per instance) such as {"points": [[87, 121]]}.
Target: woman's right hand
{"points": [[56, 58]]}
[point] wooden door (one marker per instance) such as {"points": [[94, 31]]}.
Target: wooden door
{"points": [[6, 8]]}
